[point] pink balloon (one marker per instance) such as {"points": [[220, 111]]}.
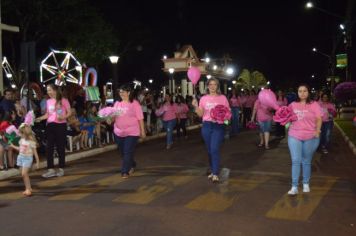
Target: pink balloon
{"points": [[268, 98], [194, 74]]}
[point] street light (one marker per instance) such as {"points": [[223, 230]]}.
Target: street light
{"points": [[229, 71], [342, 26], [164, 57], [150, 81], [215, 67], [171, 83], [114, 60], [309, 5], [208, 76]]}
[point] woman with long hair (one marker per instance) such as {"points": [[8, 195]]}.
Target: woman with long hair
{"points": [[212, 132], [58, 110], [168, 111], [264, 118], [328, 114], [128, 127], [235, 103], [303, 137], [182, 110], [281, 101]]}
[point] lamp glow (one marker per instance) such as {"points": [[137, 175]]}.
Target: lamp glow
{"points": [[114, 59], [309, 5], [171, 70]]}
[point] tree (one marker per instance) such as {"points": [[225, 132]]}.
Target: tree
{"points": [[65, 24]]}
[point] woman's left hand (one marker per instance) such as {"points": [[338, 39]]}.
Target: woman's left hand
{"points": [[317, 134]]}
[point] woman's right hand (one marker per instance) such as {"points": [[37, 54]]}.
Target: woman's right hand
{"points": [[195, 103]]}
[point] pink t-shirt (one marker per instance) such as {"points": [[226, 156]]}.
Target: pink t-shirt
{"points": [[169, 111], [54, 109], [250, 101], [243, 99], [235, 101], [282, 102], [305, 127], [182, 110], [263, 113], [208, 102], [127, 123], [327, 111]]}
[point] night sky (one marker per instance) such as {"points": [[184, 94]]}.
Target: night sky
{"points": [[274, 37]]}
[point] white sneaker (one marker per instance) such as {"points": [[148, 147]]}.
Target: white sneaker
{"points": [[210, 176], [306, 188], [60, 172], [50, 173], [293, 191], [215, 178]]}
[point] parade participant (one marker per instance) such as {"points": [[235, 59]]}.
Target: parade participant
{"points": [[281, 101], [328, 114], [169, 116], [264, 118], [182, 110], [128, 127], [303, 137], [27, 150], [235, 104], [58, 110], [212, 132]]}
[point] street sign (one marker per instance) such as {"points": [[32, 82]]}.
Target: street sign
{"points": [[341, 60]]}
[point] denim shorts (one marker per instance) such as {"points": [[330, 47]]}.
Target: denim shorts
{"points": [[24, 161], [265, 126]]}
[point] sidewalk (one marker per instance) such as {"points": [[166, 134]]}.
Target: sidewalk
{"points": [[5, 174]]}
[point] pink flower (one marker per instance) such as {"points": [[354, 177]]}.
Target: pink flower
{"points": [[11, 129], [107, 112], [284, 115], [332, 112], [30, 118], [251, 125], [220, 114]]}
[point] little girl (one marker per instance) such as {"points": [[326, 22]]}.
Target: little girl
{"points": [[26, 150]]}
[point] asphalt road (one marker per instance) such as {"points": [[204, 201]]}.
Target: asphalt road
{"points": [[169, 194]]}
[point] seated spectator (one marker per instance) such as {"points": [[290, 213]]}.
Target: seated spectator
{"points": [[84, 124], [93, 118], [73, 128]]}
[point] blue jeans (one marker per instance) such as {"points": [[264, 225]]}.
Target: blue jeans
{"points": [[169, 127], [126, 146], [235, 120], [213, 135], [325, 134], [302, 154]]}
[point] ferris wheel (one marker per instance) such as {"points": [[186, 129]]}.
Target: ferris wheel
{"points": [[60, 67]]}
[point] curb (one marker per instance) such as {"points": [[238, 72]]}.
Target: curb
{"points": [[83, 154], [347, 139]]}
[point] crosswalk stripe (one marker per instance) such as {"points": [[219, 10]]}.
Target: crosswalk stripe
{"points": [[302, 206], [147, 193], [90, 188], [38, 186], [218, 201]]}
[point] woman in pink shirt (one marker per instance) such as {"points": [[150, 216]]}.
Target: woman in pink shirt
{"points": [[328, 113], [281, 101], [212, 132], [182, 110], [303, 137], [235, 104], [169, 114], [128, 127], [264, 118], [58, 110]]}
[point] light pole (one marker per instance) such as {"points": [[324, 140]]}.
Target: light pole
{"points": [[347, 30], [114, 60], [331, 65], [171, 80]]}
